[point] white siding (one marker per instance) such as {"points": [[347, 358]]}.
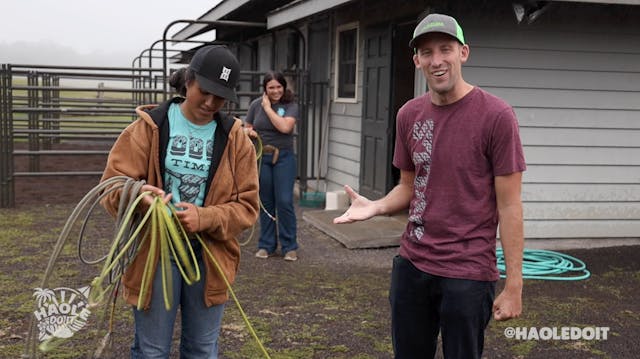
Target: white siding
{"points": [[577, 97]]}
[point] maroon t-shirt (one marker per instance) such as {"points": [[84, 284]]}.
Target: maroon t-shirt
{"points": [[455, 151]]}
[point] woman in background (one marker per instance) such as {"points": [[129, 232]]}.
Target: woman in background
{"points": [[273, 116]]}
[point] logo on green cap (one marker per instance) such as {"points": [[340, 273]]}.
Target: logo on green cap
{"points": [[434, 24]]}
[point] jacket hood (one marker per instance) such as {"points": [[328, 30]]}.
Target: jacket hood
{"points": [[156, 114]]}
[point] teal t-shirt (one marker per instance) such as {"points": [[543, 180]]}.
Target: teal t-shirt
{"points": [[188, 157]]}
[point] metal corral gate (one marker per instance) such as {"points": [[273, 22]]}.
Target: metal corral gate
{"points": [[64, 111], [53, 111]]}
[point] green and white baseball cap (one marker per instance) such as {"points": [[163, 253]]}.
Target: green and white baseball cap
{"points": [[437, 23]]}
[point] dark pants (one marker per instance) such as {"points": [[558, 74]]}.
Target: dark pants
{"points": [[422, 305]]}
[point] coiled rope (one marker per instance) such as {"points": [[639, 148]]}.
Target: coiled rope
{"points": [[165, 234], [547, 265]]}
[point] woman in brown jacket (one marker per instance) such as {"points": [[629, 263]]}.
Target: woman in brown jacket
{"points": [[190, 153]]}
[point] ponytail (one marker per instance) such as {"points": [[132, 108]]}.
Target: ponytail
{"points": [[179, 80]]}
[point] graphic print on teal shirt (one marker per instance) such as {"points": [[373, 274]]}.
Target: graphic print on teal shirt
{"points": [[188, 158]]}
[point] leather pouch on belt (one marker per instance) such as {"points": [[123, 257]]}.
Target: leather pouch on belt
{"points": [[273, 150]]}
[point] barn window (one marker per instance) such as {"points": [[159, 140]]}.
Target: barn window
{"points": [[346, 61]]}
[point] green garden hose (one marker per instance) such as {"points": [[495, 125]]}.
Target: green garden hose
{"points": [[547, 265]]}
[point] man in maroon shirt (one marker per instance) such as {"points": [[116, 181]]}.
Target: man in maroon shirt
{"points": [[461, 161]]}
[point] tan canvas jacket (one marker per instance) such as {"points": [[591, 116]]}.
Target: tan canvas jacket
{"points": [[231, 203]]}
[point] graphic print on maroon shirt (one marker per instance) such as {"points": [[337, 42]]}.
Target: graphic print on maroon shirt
{"points": [[423, 136]]}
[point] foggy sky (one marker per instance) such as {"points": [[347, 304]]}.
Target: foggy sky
{"points": [[88, 32]]}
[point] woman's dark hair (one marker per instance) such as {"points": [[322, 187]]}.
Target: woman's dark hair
{"points": [[278, 76], [180, 78]]}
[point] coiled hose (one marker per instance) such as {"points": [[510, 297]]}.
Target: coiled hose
{"points": [[547, 265]]}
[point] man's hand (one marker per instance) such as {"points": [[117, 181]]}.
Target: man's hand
{"points": [[508, 304], [360, 210]]}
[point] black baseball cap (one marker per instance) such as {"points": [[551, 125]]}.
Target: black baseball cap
{"points": [[217, 71], [437, 23]]}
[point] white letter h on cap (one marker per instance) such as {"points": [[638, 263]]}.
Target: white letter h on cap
{"points": [[224, 75]]}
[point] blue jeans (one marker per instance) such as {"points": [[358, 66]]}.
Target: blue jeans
{"points": [[276, 194], [422, 305], [200, 325]]}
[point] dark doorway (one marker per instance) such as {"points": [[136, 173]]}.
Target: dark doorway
{"points": [[376, 131], [388, 84]]}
